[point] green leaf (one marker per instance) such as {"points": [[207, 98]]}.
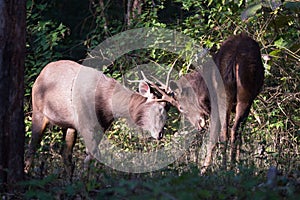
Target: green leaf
{"points": [[280, 43], [275, 52]]}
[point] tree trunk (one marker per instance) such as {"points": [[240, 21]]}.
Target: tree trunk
{"points": [[134, 8], [12, 58]]}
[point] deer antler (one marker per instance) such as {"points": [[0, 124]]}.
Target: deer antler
{"points": [[165, 96]]}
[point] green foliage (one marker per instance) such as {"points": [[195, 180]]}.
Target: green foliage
{"points": [[43, 39], [166, 184], [37, 188]]}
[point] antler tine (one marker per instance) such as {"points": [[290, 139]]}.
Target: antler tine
{"points": [[144, 77], [166, 86], [165, 97], [169, 73], [163, 86]]}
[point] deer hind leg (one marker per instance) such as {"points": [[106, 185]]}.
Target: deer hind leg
{"points": [[69, 137], [39, 123], [242, 112]]}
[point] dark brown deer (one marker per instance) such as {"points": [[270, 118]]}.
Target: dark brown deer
{"points": [[240, 65], [77, 98]]}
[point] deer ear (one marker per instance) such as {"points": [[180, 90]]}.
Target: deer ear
{"points": [[175, 87], [144, 90]]}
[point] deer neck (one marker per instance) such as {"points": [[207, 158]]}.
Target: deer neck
{"points": [[123, 101]]}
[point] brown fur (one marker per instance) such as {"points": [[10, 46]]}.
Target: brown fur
{"points": [[242, 71]]}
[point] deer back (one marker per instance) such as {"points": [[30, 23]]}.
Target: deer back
{"points": [[73, 96]]}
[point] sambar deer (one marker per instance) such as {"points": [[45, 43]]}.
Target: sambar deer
{"points": [[241, 68], [71, 96]]}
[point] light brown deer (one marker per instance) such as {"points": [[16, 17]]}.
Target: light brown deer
{"points": [[81, 99]]}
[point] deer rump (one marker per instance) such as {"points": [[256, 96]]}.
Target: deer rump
{"points": [[242, 71]]}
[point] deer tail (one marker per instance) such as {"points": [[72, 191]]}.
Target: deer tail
{"points": [[230, 73]]}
